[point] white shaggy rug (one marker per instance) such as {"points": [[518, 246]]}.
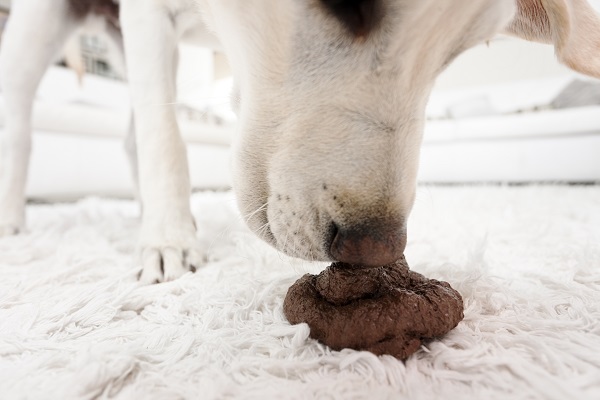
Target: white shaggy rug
{"points": [[75, 324]]}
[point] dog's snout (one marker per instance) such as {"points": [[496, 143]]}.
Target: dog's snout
{"points": [[373, 245]]}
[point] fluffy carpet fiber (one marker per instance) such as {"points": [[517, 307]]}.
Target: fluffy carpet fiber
{"points": [[75, 324]]}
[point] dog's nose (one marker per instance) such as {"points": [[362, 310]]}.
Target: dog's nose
{"points": [[372, 246]]}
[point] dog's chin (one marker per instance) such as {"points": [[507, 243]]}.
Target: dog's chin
{"points": [[292, 244], [295, 230]]}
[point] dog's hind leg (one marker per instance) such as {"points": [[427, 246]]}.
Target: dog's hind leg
{"points": [[168, 246], [131, 151], [34, 35], [118, 62], [117, 56]]}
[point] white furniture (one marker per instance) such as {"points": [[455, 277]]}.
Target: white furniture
{"points": [[486, 127], [475, 132], [78, 141]]}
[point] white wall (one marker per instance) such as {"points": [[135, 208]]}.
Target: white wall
{"points": [[503, 60]]}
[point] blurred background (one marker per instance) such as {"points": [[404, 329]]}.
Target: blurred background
{"points": [[505, 111]]}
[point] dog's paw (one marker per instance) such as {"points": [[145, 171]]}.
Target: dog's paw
{"points": [[163, 264], [12, 216]]}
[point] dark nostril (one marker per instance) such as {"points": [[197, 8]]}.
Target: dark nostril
{"points": [[370, 246], [333, 232]]}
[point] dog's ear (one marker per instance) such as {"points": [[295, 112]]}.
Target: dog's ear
{"points": [[573, 26], [358, 16]]}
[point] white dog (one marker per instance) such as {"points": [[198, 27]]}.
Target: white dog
{"points": [[330, 96]]}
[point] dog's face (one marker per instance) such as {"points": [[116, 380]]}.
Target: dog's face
{"points": [[330, 99]]}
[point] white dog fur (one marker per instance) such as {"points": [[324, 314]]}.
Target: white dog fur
{"points": [[330, 97]]}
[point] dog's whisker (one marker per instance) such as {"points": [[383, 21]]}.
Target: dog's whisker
{"points": [[227, 230], [263, 229], [222, 234], [253, 213]]}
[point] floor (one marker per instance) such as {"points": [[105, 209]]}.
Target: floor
{"points": [[74, 323]]}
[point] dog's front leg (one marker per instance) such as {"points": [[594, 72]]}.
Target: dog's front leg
{"points": [[35, 33], [168, 247]]}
